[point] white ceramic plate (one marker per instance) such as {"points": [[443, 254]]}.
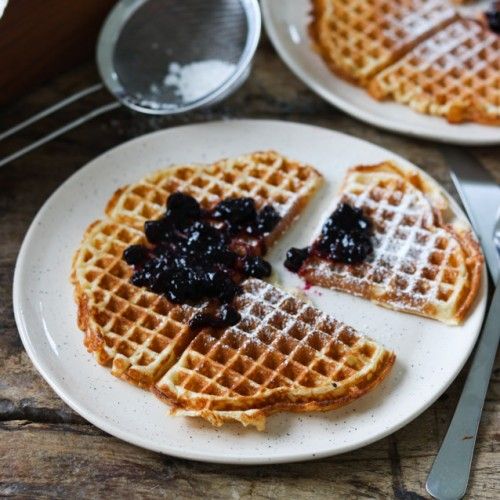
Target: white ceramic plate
{"points": [[429, 354], [286, 23]]}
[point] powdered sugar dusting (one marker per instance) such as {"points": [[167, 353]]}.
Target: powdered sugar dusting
{"points": [[414, 263], [263, 306]]}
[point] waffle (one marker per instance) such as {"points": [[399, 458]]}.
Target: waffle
{"points": [[420, 264], [140, 334], [284, 354], [267, 177], [455, 74], [135, 332], [359, 38]]}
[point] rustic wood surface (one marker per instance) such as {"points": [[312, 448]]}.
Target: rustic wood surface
{"points": [[47, 450]]}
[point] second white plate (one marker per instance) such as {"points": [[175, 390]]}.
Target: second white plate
{"points": [[429, 354], [286, 23]]}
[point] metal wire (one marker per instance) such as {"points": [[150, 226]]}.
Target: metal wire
{"points": [[51, 109], [56, 133]]}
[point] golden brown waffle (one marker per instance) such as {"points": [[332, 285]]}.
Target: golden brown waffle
{"points": [[358, 38], [135, 332], [420, 264], [284, 354], [267, 177], [139, 333], [455, 74]]}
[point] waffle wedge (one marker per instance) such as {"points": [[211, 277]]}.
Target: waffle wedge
{"points": [[454, 74], [420, 264], [267, 177], [140, 334], [359, 38], [284, 355]]}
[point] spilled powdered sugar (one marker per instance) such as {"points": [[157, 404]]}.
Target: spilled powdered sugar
{"points": [[198, 79]]}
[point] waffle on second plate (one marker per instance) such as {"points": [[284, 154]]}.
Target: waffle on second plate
{"points": [[454, 74], [420, 53], [358, 38]]}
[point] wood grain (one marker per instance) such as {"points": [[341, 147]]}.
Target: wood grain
{"points": [[48, 451]]}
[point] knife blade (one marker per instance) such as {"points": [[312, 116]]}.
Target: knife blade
{"points": [[480, 195]]}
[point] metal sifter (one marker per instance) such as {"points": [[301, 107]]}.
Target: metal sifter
{"points": [[165, 57]]}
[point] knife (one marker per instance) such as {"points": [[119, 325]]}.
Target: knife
{"points": [[480, 195]]}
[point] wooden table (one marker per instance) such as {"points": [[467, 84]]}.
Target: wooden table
{"points": [[47, 450]]}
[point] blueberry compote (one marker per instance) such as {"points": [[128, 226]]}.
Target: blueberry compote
{"points": [[493, 16], [345, 237], [295, 257], [195, 254]]}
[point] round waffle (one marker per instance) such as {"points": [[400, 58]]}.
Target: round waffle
{"points": [[318, 363]]}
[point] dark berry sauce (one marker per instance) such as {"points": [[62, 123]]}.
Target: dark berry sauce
{"points": [[493, 16], [295, 257], [345, 237], [195, 255], [227, 316], [256, 266]]}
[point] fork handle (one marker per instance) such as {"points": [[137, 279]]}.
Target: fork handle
{"points": [[450, 472]]}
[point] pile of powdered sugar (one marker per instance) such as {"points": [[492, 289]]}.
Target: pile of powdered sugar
{"points": [[198, 79]]}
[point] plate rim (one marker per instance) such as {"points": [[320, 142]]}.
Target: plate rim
{"points": [[136, 440], [357, 112]]}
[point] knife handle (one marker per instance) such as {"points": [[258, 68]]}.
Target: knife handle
{"points": [[450, 472]]}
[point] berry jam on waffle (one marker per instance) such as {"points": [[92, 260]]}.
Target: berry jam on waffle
{"points": [[194, 254], [345, 237], [493, 16]]}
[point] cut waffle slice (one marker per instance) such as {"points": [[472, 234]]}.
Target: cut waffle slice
{"points": [[284, 355], [358, 38], [454, 74], [267, 177], [420, 264], [137, 333]]}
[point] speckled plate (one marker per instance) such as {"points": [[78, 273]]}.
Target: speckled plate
{"points": [[286, 23], [429, 354]]}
